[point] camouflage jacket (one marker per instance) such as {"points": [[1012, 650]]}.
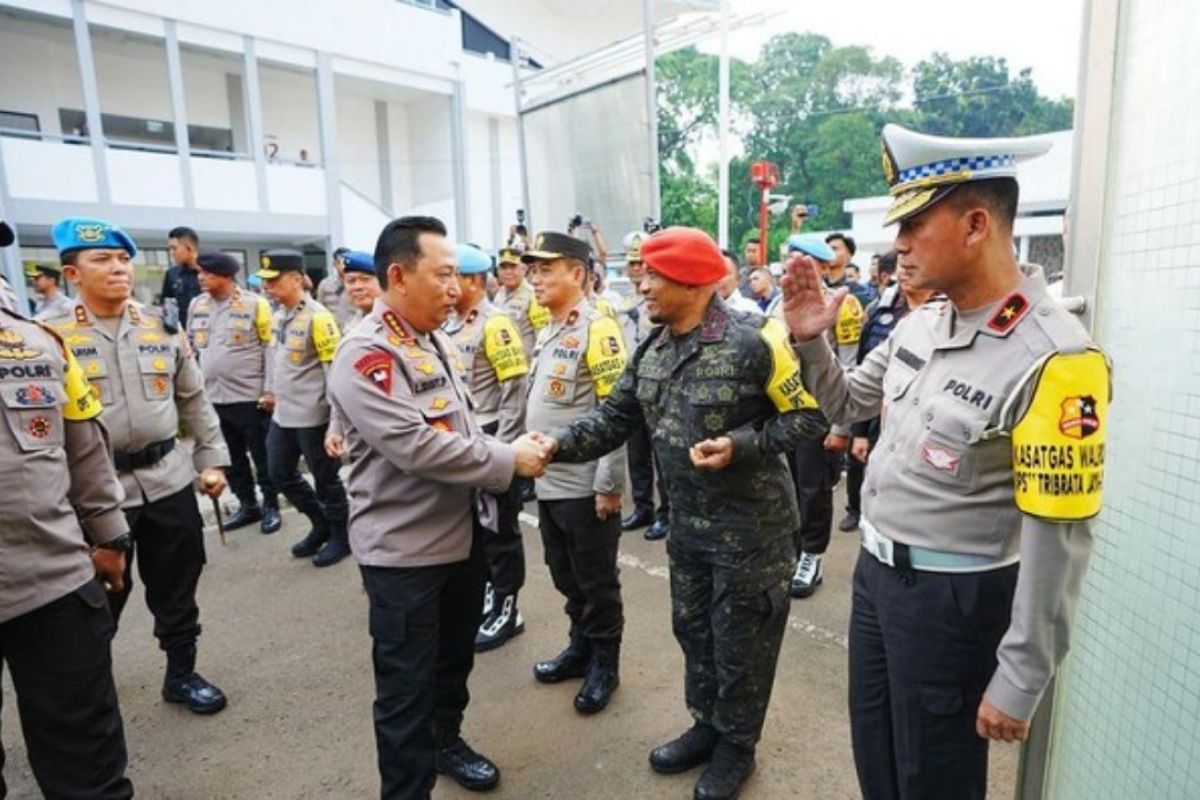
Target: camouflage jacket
{"points": [[735, 376]]}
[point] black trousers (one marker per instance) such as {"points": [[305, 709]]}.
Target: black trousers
{"points": [[921, 655], [581, 552], [505, 548], [284, 448], [423, 622], [60, 660], [643, 469], [815, 471], [729, 611], [168, 547], [856, 471], [244, 426]]}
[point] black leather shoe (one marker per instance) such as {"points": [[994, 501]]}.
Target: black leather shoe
{"points": [[601, 680], [570, 663], [310, 544], [638, 519], [332, 552], [245, 515], [200, 696], [658, 530], [728, 772], [471, 770], [693, 748], [272, 521]]}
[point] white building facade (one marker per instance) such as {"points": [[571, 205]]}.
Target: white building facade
{"points": [[260, 124]]}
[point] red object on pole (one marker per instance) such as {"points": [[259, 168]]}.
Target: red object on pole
{"points": [[765, 176]]}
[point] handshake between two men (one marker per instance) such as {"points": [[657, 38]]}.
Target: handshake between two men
{"points": [[535, 450]]}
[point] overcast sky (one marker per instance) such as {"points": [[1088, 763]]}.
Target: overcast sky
{"points": [[1042, 34]]}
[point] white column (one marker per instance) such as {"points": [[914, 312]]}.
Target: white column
{"points": [[327, 117], [253, 95], [179, 112], [91, 98], [723, 131], [651, 105]]}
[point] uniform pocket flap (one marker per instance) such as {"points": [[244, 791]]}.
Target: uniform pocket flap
{"points": [[155, 364], [712, 393], [31, 395]]}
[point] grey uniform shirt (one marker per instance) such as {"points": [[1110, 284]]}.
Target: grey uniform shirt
{"points": [[232, 338], [54, 464], [331, 293], [61, 304], [148, 381], [336, 428], [490, 346], [304, 341], [529, 316], [941, 476], [576, 364], [416, 453]]}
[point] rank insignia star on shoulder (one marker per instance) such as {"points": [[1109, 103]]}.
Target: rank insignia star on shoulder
{"points": [[1011, 311]]}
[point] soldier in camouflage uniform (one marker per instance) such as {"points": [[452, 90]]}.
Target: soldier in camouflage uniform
{"points": [[722, 396]]}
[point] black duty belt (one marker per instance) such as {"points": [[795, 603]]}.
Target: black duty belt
{"points": [[148, 456]]}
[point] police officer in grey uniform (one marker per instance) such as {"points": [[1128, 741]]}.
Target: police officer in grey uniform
{"points": [[576, 364], [305, 339], [47, 280], [149, 382], [496, 370], [230, 328], [362, 287], [331, 291], [417, 462], [516, 295], [55, 626], [978, 495]]}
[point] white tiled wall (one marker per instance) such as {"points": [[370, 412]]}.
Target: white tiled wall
{"points": [[1127, 721]]}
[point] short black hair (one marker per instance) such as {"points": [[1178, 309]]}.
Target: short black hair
{"points": [[185, 233], [754, 239], [341, 251], [846, 240], [399, 243], [69, 258], [998, 195], [887, 261]]}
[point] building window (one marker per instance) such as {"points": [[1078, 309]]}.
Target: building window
{"points": [[19, 124], [479, 38], [137, 133]]}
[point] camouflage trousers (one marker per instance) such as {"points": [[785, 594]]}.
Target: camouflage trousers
{"points": [[729, 611]]}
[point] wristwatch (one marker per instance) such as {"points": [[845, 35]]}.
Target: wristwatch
{"points": [[123, 543]]}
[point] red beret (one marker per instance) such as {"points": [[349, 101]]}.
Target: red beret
{"points": [[684, 255]]}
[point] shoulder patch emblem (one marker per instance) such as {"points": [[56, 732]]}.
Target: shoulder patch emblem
{"points": [[377, 368], [1010, 313]]}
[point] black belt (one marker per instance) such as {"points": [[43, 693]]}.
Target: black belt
{"points": [[148, 456]]}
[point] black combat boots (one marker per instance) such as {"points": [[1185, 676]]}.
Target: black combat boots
{"points": [[184, 685], [602, 677], [730, 768], [319, 535], [693, 748], [570, 663], [335, 549]]}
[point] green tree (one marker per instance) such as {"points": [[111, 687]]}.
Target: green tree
{"points": [[979, 97]]}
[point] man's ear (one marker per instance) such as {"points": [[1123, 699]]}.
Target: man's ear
{"points": [[977, 224]]}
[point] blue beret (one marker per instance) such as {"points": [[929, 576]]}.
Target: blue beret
{"points": [[358, 261], [810, 244], [471, 260], [82, 233]]}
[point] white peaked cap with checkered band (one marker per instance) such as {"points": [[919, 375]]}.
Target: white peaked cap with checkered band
{"points": [[922, 169]]}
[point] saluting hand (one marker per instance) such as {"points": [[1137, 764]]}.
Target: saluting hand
{"points": [[992, 723], [110, 568], [807, 309], [712, 454]]}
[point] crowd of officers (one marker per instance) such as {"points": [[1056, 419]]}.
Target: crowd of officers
{"points": [[726, 401]]}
